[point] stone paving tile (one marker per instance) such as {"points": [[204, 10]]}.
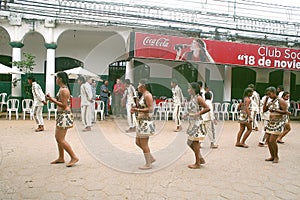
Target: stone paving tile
{"points": [[52, 196], [230, 172]]}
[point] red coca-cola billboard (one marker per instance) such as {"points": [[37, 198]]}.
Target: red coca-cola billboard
{"points": [[167, 47]]}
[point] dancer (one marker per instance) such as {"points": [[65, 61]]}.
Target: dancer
{"points": [[38, 103], [255, 105], [280, 91], [64, 119], [275, 126], [145, 126], [245, 119], [196, 108], [93, 84], [177, 101], [128, 99], [287, 127], [210, 121], [86, 97], [265, 117]]}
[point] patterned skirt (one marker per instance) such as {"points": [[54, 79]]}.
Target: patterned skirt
{"points": [[145, 127], [64, 119], [196, 130], [275, 126]]}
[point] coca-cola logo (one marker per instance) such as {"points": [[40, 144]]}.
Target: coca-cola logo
{"points": [[158, 42]]}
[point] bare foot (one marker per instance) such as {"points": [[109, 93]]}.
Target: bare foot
{"points": [[280, 141], [202, 161], [145, 167], [214, 146], [58, 161], [261, 144], [269, 159], [194, 166], [276, 160], [72, 162], [153, 160], [245, 146], [238, 144], [241, 145]]}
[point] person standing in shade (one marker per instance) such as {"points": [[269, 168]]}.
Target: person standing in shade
{"points": [[38, 102], [245, 119], [119, 88], [197, 107], [178, 99], [104, 94], [287, 127], [210, 121], [64, 119], [86, 101], [255, 101], [145, 126], [275, 126], [128, 100]]}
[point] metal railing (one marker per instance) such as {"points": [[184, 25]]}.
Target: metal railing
{"points": [[222, 17]]}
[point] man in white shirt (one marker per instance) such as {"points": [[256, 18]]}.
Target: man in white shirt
{"points": [[265, 117], [178, 99], [93, 84], [128, 100], [202, 91], [38, 102], [86, 96], [210, 121], [255, 105]]}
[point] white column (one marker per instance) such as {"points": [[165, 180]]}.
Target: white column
{"points": [[227, 83], [129, 73], [50, 70], [286, 81], [16, 91]]}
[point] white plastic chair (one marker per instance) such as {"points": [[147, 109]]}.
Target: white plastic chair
{"points": [[2, 101], [99, 109], [293, 105], [184, 109], [297, 108], [234, 111], [217, 109], [224, 111], [51, 107], [234, 101], [27, 108], [169, 108], [13, 106], [161, 110]]}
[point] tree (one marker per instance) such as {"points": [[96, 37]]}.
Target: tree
{"points": [[25, 65]]}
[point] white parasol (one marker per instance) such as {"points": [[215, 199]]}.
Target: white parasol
{"points": [[75, 72], [7, 70]]}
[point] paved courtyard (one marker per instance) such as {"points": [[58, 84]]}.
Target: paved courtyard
{"points": [[109, 160]]}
